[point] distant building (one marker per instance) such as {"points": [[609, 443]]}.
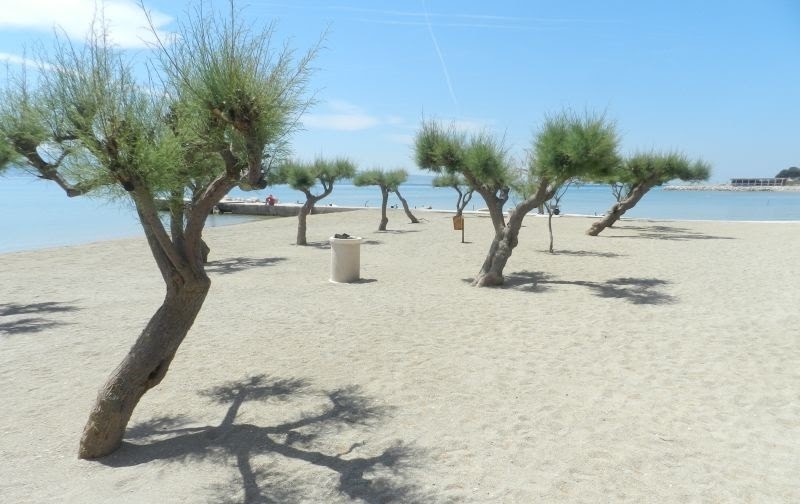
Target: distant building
{"points": [[757, 182]]}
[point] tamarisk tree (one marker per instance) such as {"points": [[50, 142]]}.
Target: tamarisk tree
{"points": [[457, 182], [553, 208], [305, 176], [640, 173], [388, 182], [566, 147], [480, 159], [87, 125]]}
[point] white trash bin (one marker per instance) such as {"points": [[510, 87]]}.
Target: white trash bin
{"points": [[345, 259]]}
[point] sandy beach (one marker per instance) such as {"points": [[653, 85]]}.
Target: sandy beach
{"points": [[655, 363]]}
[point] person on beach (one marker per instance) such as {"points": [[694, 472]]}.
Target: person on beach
{"points": [[271, 200]]}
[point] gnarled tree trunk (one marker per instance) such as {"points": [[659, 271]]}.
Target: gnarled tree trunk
{"points": [[180, 261], [462, 202], [302, 216], [384, 204], [507, 237], [143, 368], [618, 209], [495, 207], [406, 209]]}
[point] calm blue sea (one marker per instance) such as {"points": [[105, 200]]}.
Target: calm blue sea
{"points": [[36, 213]]}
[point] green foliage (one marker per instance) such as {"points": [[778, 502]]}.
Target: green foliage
{"points": [[567, 146], [793, 172], [438, 149], [21, 122], [253, 104], [228, 103], [570, 146], [652, 169], [7, 155], [446, 150], [449, 180], [387, 180], [304, 176]]}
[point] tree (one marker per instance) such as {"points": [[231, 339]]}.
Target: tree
{"points": [[388, 181], [792, 173], [480, 159], [89, 126], [566, 147], [457, 182], [305, 176], [640, 173], [553, 208], [400, 176], [7, 154]]}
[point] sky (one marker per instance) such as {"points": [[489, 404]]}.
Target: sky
{"points": [[717, 80]]}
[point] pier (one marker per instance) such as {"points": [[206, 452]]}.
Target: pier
{"points": [[277, 210]]}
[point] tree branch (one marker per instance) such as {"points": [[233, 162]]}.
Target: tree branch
{"points": [[164, 251]]}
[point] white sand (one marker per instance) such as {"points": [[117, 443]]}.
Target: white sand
{"points": [[658, 362]]}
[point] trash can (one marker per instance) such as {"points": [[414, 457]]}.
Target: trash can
{"points": [[345, 258]]}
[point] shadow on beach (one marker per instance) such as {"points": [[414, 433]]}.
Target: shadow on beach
{"points": [[398, 231], [374, 475], [584, 253], [22, 325], [662, 233], [632, 290], [236, 264]]}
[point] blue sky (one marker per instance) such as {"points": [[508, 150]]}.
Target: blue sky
{"points": [[718, 80]]}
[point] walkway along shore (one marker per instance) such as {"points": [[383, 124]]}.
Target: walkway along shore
{"points": [[729, 187]]}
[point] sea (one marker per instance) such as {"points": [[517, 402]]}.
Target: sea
{"points": [[36, 214]]}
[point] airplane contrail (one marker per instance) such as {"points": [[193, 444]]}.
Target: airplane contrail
{"points": [[439, 52]]}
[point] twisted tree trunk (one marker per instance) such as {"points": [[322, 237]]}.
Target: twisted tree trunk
{"points": [[302, 216], [462, 202], [406, 209], [179, 258], [143, 368], [384, 204], [507, 237], [619, 208]]}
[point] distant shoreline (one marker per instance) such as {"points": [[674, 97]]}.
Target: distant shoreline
{"points": [[732, 188]]}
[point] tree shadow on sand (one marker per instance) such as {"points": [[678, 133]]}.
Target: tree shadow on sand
{"points": [[374, 476], [398, 231], [322, 245], [236, 264], [632, 290], [21, 325], [584, 253], [663, 233]]}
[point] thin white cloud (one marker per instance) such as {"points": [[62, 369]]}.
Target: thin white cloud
{"points": [[401, 138], [15, 59], [344, 107], [127, 24], [345, 116], [340, 122]]}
